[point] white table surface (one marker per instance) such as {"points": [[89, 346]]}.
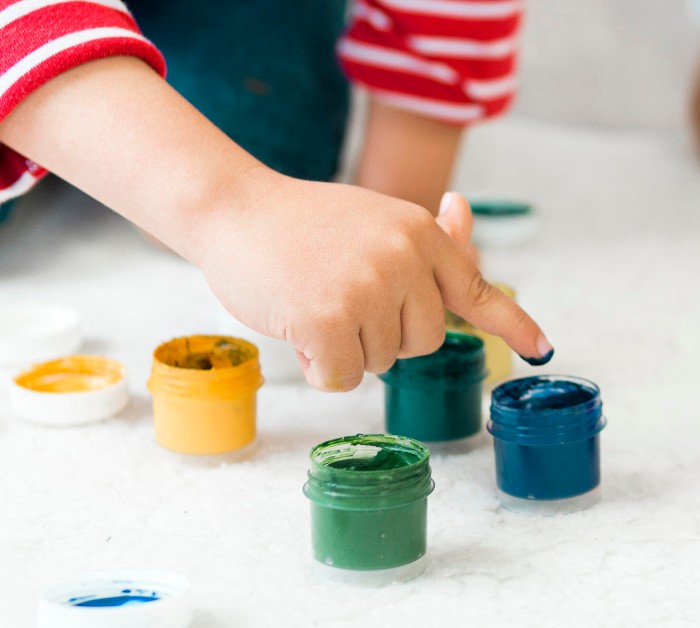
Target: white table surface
{"points": [[613, 279]]}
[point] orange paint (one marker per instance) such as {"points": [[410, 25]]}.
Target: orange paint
{"points": [[76, 373]]}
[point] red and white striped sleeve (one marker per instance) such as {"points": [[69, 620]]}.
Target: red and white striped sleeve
{"points": [[451, 60], [43, 38]]}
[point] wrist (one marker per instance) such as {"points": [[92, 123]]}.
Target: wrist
{"points": [[220, 210]]}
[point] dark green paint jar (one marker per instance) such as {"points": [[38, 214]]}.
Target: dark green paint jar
{"points": [[437, 397], [369, 498]]}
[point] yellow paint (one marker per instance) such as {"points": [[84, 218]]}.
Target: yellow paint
{"points": [[204, 411], [499, 356], [76, 373]]}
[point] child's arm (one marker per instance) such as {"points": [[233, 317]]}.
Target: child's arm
{"points": [[351, 278], [407, 155], [431, 69]]}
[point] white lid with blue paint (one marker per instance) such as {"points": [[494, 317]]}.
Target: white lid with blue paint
{"points": [[141, 598]]}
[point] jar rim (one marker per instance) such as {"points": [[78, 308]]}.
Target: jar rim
{"points": [[359, 444], [396, 480], [443, 368], [252, 350], [221, 381], [546, 409]]}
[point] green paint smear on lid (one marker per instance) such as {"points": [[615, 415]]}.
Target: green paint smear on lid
{"points": [[496, 208]]}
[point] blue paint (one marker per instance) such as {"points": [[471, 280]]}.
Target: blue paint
{"points": [[546, 436], [119, 600], [110, 597], [539, 361]]}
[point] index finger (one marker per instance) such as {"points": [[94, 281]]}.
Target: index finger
{"points": [[466, 293]]}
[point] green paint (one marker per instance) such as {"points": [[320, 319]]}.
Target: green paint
{"points": [[437, 397], [497, 208], [369, 501], [356, 456]]}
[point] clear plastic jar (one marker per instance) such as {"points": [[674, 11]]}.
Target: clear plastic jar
{"points": [[547, 444], [437, 397], [369, 497]]}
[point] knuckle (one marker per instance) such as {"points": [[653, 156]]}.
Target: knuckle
{"points": [[433, 338], [479, 292], [415, 220], [330, 318], [521, 319], [419, 220], [428, 341], [381, 364]]}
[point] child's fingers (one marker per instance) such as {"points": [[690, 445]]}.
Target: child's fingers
{"points": [[333, 361], [422, 321], [466, 293], [381, 341], [456, 218]]}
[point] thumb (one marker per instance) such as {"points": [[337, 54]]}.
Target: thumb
{"points": [[455, 218]]}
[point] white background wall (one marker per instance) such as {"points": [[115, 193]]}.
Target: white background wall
{"points": [[613, 63]]}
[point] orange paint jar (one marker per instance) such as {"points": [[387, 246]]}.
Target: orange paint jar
{"points": [[204, 394]]}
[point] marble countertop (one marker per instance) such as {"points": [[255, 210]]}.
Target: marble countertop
{"points": [[612, 277]]}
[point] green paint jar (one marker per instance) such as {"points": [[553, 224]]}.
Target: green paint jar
{"points": [[437, 397], [369, 498]]}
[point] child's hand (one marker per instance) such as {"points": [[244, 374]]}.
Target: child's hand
{"points": [[351, 278]]}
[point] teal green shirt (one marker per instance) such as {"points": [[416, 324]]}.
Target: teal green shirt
{"points": [[264, 71]]}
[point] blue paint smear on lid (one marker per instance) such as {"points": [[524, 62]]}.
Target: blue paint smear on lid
{"points": [[118, 600]]}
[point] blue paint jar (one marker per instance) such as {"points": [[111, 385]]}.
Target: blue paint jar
{"points": [[546, 441]]}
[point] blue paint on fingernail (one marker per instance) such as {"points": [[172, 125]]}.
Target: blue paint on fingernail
{"points": [[539, 361]]}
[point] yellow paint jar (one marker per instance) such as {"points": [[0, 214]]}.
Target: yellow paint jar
{"points": [[204, 394], [499, 356]]}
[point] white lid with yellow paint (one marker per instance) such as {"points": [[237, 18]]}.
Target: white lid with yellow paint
{"points": [[74, 390]]}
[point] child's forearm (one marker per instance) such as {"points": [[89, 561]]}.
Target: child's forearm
{"points": [[116, 130], [407, 155]]}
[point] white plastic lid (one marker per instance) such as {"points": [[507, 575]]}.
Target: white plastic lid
{"points": [[32, 332], [141, 598], [502, 222], [74, 390]]}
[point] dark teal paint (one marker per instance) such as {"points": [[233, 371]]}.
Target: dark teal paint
{"points": [[265, 72], [437, 397], [496, 208]]}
